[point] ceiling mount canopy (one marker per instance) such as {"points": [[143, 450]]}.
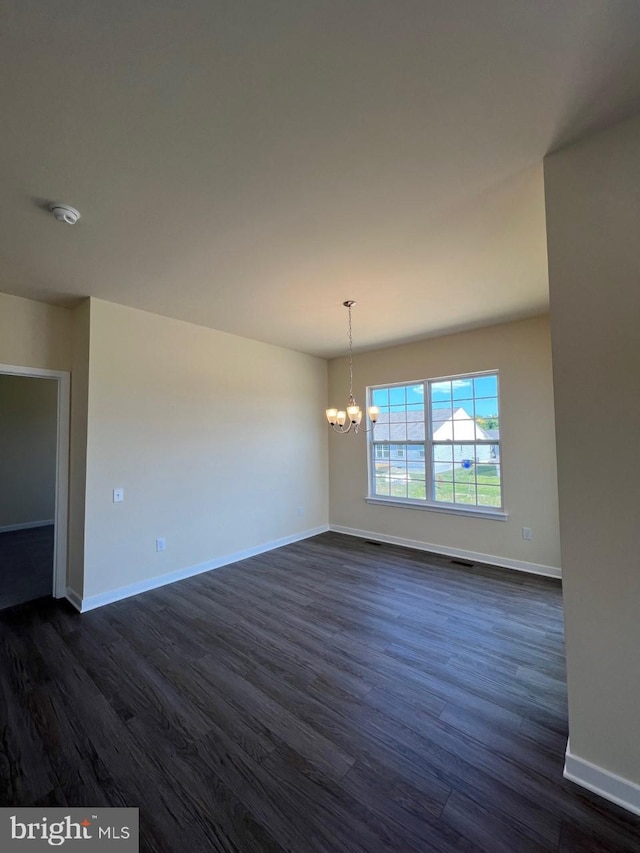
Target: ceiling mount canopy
{"points": [[344, 420]]}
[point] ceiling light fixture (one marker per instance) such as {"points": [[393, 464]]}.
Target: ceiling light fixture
{"points": [[343, 421]]}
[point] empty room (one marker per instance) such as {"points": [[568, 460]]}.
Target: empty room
{"points": [[318, 333]]}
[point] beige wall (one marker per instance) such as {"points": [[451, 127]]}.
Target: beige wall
{"points": [[521, 352], [80, 334], [216, 440], [593, 215], [28, 433], [33, 334]]}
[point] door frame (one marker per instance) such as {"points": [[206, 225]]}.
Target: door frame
{"points": [[61, 515]]}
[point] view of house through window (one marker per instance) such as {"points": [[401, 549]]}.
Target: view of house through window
{"points": [[438, 441]]}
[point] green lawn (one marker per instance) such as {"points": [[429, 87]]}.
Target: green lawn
{"points": [[461, 486], [479, 486]]}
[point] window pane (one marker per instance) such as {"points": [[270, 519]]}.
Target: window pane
{"points": [[417, 489], [462, 389], [399, 468], [488, 427], [382, 429], [443, 491], [397, 396], [464, 429], [440, 391], [415, 452], [415, 430], [484, 454], [443, 453], [487, 407], [398, 488], [380, 397], [489, 495], [415, 394], [382, 486], [398, 431], [485, 386], [488, 474], [465, 493]]}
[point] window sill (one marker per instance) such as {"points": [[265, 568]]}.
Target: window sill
{"points": [[473, 511]]}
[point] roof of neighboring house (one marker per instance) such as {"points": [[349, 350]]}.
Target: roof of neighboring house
{"points": [[414, 429], [395, 421], [391, 427], [439, 416]]}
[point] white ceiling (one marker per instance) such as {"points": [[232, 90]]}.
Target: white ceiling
{"points": [[249, 165]]}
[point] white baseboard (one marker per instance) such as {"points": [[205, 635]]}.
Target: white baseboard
{"points": [[99, 600], [620, 791], [8, 528], [473, 556]]}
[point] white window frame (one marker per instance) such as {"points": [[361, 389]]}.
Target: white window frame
{"points": [[495, 513]]}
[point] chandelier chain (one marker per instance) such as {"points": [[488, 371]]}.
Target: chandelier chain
{"points": [[350, 358]]}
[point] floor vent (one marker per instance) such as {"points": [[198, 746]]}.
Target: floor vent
{"points": [[370, 542], [462, 563]]}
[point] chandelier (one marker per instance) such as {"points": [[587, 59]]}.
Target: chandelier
{"points": [[343, 421]]}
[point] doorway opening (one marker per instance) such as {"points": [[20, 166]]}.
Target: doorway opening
{"points": [[34, 472]]}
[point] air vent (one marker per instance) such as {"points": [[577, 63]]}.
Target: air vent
{"points": [[462, 563]]}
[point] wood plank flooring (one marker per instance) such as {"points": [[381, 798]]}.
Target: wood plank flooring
{"points": [[333, 695]]}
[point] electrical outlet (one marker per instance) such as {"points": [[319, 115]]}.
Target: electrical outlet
{"points": [[526, 533], [118, 495], [161, 544], [300, 511]]}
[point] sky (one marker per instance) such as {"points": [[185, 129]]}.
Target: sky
{"points": [[445, 394]]}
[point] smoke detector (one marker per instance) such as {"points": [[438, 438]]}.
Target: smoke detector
{"points": [[64, 213]]}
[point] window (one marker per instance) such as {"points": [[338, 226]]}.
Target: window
{"points": [[437, 443]]}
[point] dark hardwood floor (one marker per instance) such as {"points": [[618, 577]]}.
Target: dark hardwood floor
{"points": [[333, 695], [26, 565]]}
